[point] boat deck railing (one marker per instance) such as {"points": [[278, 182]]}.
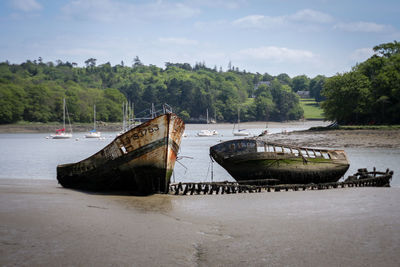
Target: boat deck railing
{"points": [[263, 146], [153, 112]]}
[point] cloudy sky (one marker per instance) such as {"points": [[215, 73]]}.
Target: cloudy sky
{"points": [[286, 36]]}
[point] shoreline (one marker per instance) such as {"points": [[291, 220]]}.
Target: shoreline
{"points": [[51, 127], [364, 138], [37, 127]]}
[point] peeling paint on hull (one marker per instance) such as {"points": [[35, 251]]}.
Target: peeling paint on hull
{"points": [[250, 159], [140, 161]]}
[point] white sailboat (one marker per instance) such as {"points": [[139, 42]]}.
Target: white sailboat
{"points": [[205, 133], [239, 132], [93, 133], [61, 133]]}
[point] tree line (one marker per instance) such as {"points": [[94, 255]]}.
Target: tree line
{"points": [[33, 91], [369, 93]]}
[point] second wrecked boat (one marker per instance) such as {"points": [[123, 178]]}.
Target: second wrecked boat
{"points": [[140, 160], [255, 161]]}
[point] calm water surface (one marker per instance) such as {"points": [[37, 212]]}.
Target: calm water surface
{"points": [[32, 156]]}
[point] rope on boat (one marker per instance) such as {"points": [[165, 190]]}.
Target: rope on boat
{"points": [[362, 178]]}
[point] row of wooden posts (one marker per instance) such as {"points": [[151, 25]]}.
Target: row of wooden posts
{"points": [[370, 179]]}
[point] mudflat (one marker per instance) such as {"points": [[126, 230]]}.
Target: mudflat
{"points": [[43, 224], [339, 138]]}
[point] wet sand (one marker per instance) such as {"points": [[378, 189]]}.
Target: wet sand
{"points": [[339, 138], [42, 224]]}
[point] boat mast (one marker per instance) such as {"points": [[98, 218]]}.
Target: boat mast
{"points": [[152, 111], [239, 119], [123, 117], [64, 114], [133, 113], [128, 115], [94, 117]]}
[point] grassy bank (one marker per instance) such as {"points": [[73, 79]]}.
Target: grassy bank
{"points": [[311, 108]]}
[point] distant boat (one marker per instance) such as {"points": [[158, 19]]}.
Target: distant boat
{"points": [[239, 132], [93, 133], [205, 133], [140, 160], [60, 133], [256, 161]]}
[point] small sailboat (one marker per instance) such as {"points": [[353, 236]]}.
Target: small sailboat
{"points": [[61, 133], [205, 133], [239, 132], [93, 133]]}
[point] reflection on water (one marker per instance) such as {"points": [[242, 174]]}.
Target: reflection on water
{"points": [[32, 156]]}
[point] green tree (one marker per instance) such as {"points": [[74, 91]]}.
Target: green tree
{"points": [[347, 98], [300, 83], [316, 86]]}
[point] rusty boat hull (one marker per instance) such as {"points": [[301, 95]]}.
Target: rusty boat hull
{"points": [[255, 161], [139, 161]]}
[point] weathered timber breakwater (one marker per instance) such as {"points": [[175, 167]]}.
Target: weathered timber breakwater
{"points": [[362, 178]]}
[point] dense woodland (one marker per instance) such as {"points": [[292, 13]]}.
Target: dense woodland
{"points": [[370, 93], [33, 91]]}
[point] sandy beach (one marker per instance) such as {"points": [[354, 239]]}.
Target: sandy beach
{"points": [[43, 224]]}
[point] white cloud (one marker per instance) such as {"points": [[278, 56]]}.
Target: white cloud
{"points": [[81, 52], [362, 26], [168, 10], [227, 4], [26, 5], [302, 17], [259, 21], [217, 25], [362, 54], [101, 10], [277, 54], [309, 15], [177, 41], [108, 10]]}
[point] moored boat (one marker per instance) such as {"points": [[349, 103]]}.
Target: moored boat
{"points": [[61, 133], [205, 133], [239, 132], [257, 161], [140, 160], [93, 133]]}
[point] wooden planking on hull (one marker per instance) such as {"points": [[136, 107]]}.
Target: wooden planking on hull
{"points": [[140, 160], [251, 159]]}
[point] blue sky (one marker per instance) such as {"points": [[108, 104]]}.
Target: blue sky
{"points": [[294, 37]]}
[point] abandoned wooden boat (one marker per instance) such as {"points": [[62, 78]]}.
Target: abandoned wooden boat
{"points": [[255, 161], [363, 178], [140, 160]]}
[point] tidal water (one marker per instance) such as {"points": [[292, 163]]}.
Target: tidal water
{"points": [[32, 156]]}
